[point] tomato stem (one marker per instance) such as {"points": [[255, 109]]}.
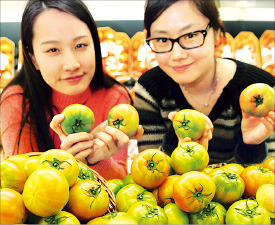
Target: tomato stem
{"points": [[258, 100], [56, 163], [247, 211], [118, 122], [78, 126], [184, 123], [198, 195], [152, 165]]}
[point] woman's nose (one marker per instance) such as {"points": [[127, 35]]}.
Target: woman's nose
{"points": [[71, 61], [178, 52]]}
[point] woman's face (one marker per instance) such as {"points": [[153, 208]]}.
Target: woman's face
{"points": [[63, 51], [182, 65]]}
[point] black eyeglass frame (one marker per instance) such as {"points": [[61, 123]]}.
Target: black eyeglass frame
{"points": [[204, 33]]}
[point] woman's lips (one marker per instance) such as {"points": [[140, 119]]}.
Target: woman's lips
{"points": [[181, 68], [74, 79]]}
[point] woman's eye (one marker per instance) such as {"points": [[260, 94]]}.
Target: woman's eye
{"points": [[81, 45], [191, 35], [162, 40], [52, 50]]}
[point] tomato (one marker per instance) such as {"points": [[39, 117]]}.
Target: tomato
{"points": [[189, 123], [125, 118], [171, 171], [229, 186], [189, 156], [269, 163], [265, 196], [150, 168], [165, 190], [88, 199], [131, 194], [235, 167], [246, 211], [46, 192], [207, 169], [193, 191], [85, 172], [12, 208], [12, 175], [31, 164], [61, 217], [257, 99], [77, 118], [254, 177], [148, 213], [114, 218], [129, 179], [175, 214], [213, 213], [20, 159], [115, 185], [61, 160]]}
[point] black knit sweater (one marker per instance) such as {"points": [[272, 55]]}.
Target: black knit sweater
{"points": [[156, 94]]}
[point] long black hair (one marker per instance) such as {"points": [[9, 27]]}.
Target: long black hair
{"points": [[36, 93], [154, 8]]}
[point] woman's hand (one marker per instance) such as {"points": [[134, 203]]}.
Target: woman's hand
{"points": [[257, 129], [206, 136], [107, 141], [80, 145]]}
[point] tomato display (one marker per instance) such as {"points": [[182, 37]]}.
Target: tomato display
{"points": [[85, 172], [150, 168], [88, 199], [189, 123], [31, 164], [114, 218], [189, 156], [131, 194], [61, 160], [213, 213], [77, 118], [229, 186], [265, 196], [165, 190], [257, 99], [61, 217], [175, 214], [46, 192], [193, 191], [19, 159], [12, 175], [246, 211], [254, 177], [12, 208], [125, 118], [148, 213]]}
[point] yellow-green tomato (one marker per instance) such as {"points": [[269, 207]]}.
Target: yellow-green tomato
{"points": [[125, 118], [189, 123], [175, 214], [61, 217], [77, 118], [114, 218], [265, 196]]}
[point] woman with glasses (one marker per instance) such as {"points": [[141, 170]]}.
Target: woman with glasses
{"points": [[183, 34]]}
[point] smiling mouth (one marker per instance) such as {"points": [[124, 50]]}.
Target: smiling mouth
{"points": [[181, 68], [74, 79]]}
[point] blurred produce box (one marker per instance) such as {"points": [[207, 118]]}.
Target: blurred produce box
{"points": [[225, 46], [7, 61], [267, 44], [247, 48]]}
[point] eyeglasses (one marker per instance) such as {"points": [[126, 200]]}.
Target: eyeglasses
{"points": [[187, 41]]}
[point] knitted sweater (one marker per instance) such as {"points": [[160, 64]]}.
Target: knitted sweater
{"points": [[100, 103], [156, 94]]}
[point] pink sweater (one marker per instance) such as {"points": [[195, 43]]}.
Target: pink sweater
{"points": [[100, 103]]}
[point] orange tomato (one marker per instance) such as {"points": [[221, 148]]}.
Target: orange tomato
{"points": [[12, 175], [265, 196], [12, 210], [269, 163], [193, 191], [235, 167]]}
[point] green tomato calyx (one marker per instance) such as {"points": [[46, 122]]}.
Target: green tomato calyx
{"points": [[78, 126], [56, 163], [198, 195], [55, 220], [152, 165], [184, 123], [118, 122], [188, 149], [258, 100], [248, 212]]}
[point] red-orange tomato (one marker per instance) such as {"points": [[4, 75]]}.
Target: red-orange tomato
{"points": [[257, 99], [150, 168], [12, 175], [254, 177], [12, 208], [193, 191], [61, 160], [269, 163], [88, 199], [165, 192]]}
